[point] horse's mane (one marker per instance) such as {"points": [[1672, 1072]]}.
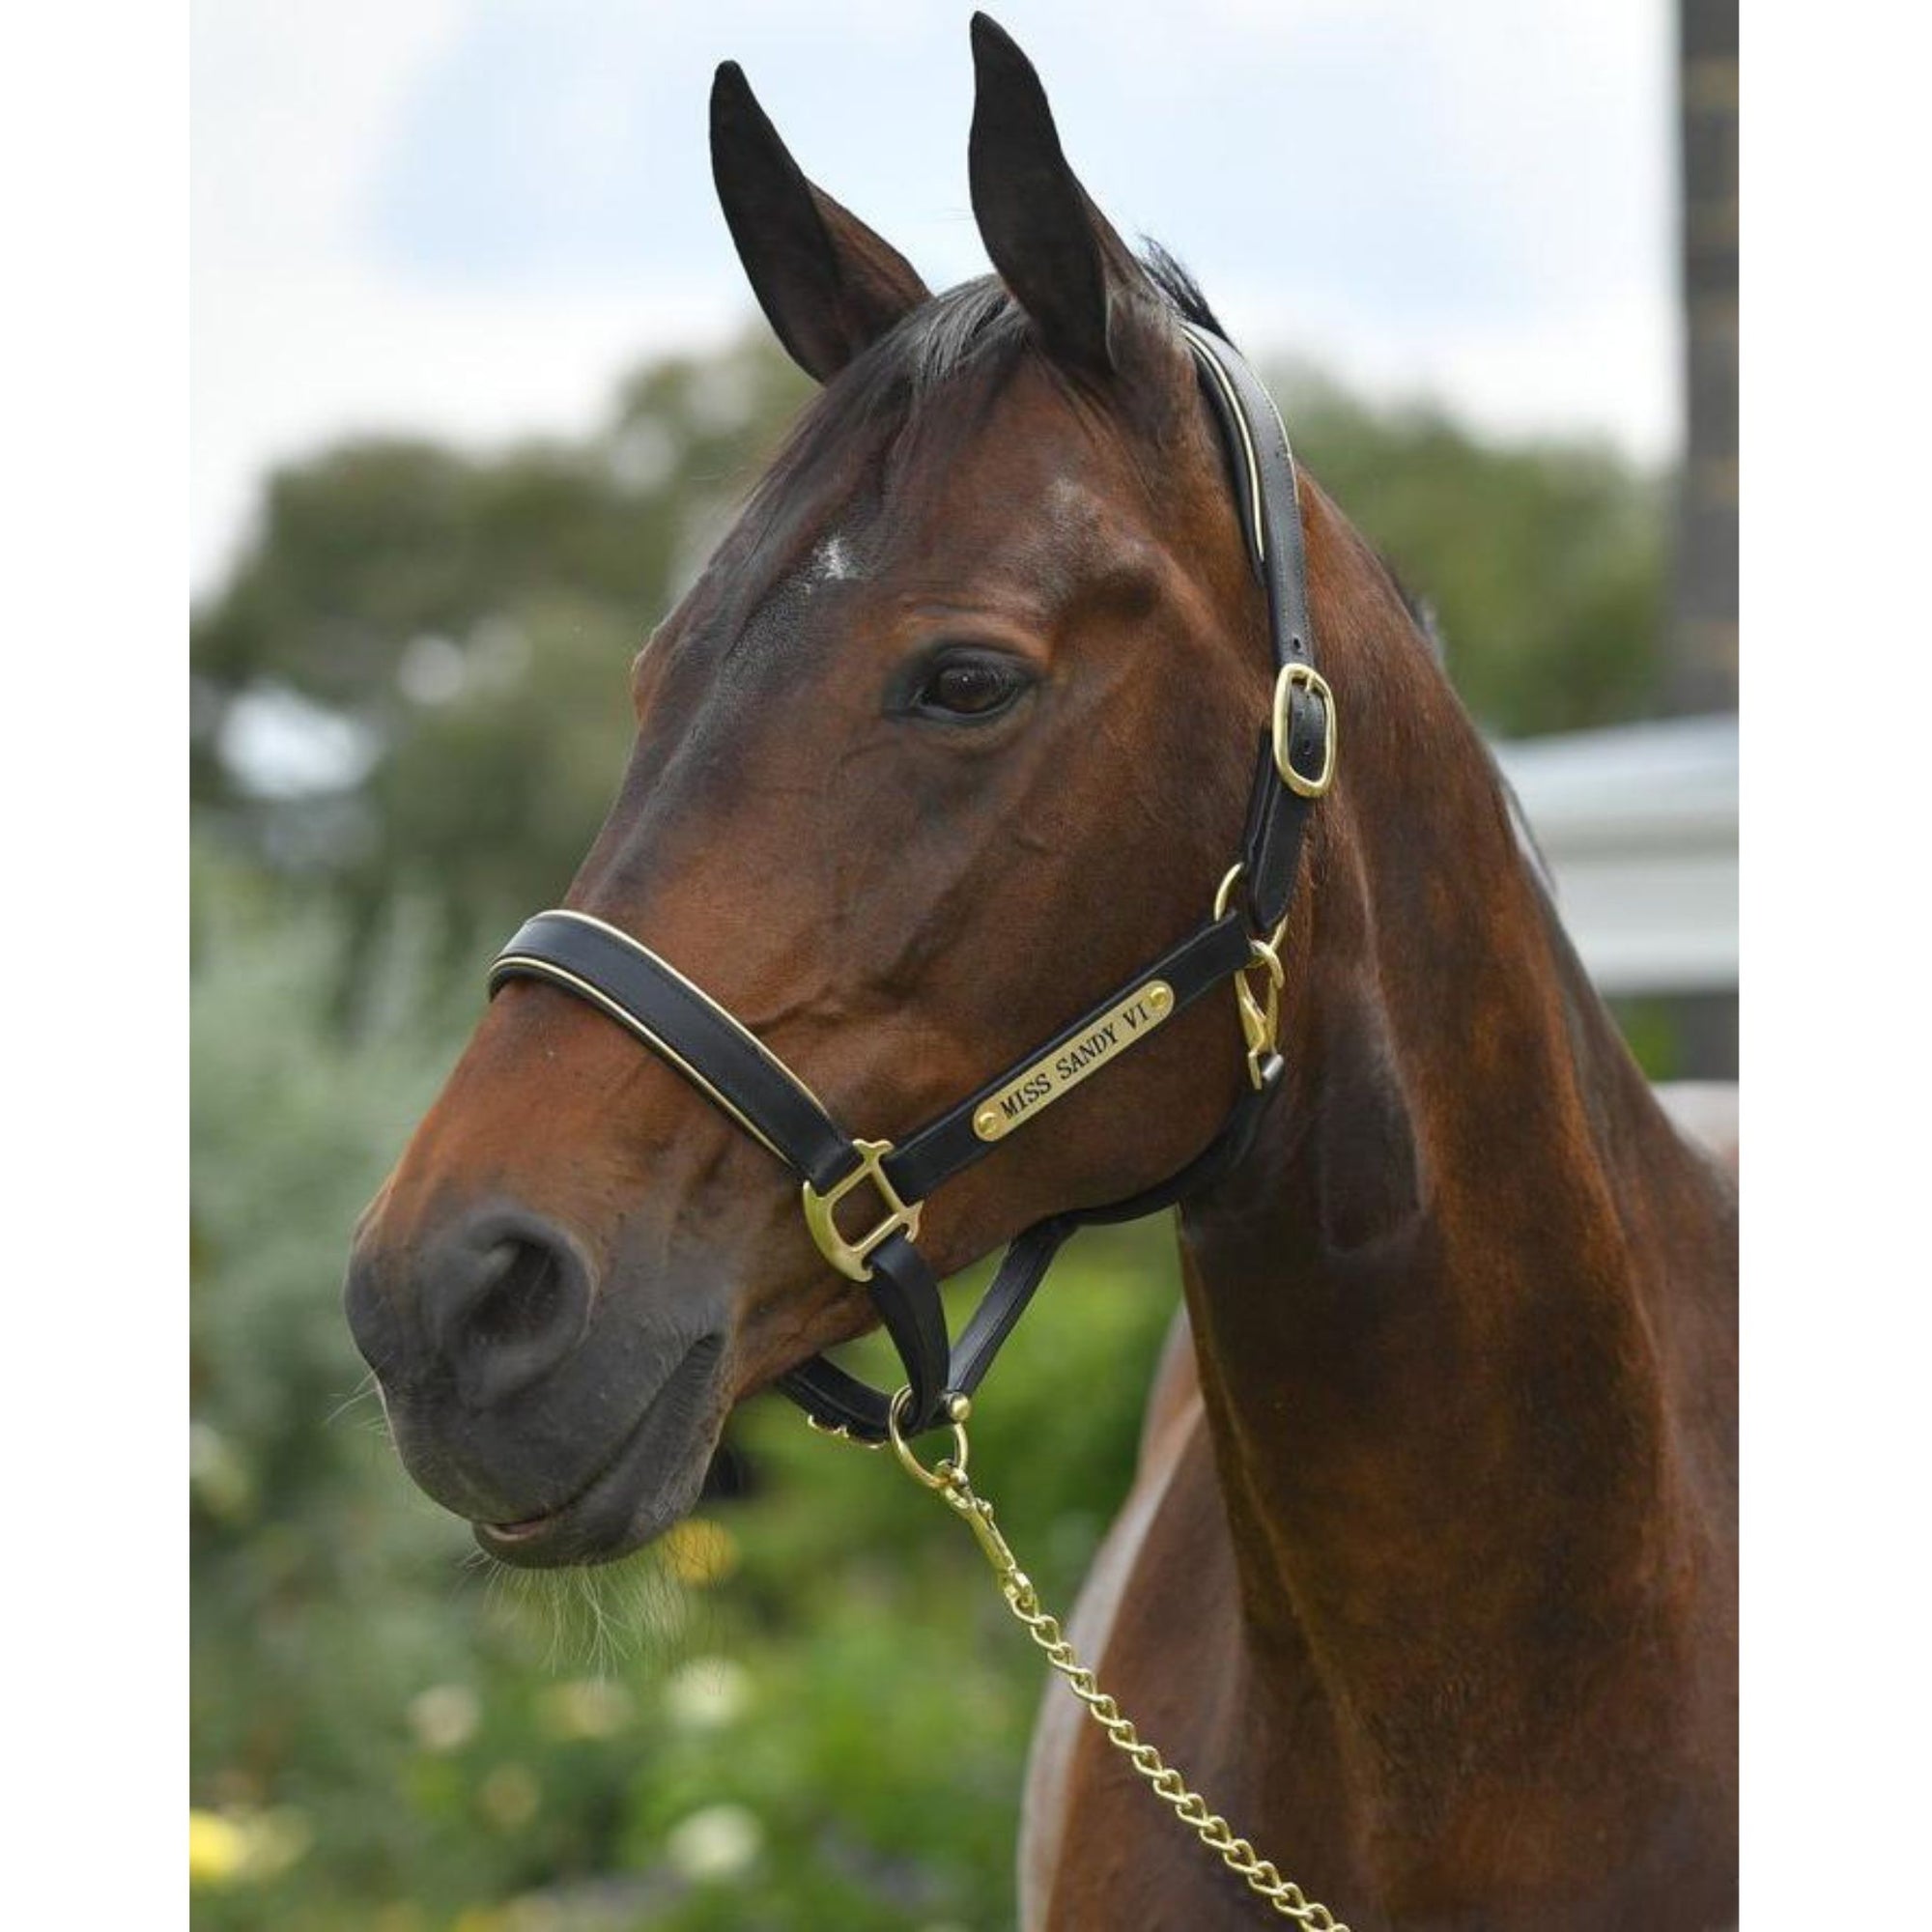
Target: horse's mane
{"points": [[979, 319]]}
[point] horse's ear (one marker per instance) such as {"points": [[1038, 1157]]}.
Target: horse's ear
{"points": [[1056, 253], [828, 285]]}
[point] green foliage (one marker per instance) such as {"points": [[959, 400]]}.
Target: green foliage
{"points": [[466, 621], [1544, 563]]}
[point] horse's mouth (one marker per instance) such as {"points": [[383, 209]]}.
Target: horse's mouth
{"points": [[651, 1481]]}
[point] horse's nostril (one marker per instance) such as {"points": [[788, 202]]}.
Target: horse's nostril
{"points": [[506, 1305], [522, 1294]]}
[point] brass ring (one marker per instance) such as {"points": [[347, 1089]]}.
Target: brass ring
{"points": [[944, 1474]]}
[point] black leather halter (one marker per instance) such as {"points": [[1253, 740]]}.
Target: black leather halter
{"points": [[743, 1079]]}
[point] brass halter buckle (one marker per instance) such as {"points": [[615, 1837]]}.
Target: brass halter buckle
{"points": [[1293, 673], [1260, 1009], [849, 1258]]}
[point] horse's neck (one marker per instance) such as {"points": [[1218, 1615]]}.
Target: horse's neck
{"points": [[1427, 1306]]}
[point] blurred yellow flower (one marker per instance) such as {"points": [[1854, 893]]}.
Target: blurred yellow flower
{"points": [[277, 1839], [444, 1716], [217, 1474], [230, 1848], [218, 1848], [585, 1707], [707, 1693], [716, 1842], [700, 1553]]}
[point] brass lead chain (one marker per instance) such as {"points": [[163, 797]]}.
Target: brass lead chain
{"points": [[947, 1479]]}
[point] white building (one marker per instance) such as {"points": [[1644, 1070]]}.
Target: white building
{"points": [[1639, 825]]}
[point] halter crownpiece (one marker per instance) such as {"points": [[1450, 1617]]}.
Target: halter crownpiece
{"points": [[745, 1080]]}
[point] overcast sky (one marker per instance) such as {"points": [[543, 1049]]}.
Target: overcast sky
{"points": [[467, 216]]}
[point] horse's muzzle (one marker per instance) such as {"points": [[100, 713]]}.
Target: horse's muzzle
{"points": [[522, 1396]]}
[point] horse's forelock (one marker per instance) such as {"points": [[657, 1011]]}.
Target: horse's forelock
{"points": [[974, 330]]}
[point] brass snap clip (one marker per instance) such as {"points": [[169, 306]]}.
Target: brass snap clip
{"points": [[1260, 1008], [948, 1476]]}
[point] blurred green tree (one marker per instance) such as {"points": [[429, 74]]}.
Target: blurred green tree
{"points": [[1542, 562], [449, 634]]}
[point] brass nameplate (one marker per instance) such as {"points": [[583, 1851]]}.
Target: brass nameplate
{"points": [[1048, 1078]]}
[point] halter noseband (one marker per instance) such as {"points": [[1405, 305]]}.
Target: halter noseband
{"points": [[748, 1083]]}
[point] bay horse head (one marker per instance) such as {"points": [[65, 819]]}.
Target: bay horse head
{"points": [[955, 731]]}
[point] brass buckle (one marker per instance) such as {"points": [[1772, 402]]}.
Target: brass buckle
{"points": [[849, 1256], [1295, 672]]}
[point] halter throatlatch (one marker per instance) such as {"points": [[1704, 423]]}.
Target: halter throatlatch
{"points": [[861, 1199]]}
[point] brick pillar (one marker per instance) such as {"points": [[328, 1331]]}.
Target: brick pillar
{"points": [[1703, 654]]}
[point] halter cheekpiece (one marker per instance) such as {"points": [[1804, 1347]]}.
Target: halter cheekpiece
{"points": [[1241, 941]]}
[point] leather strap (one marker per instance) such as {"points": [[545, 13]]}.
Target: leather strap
{"points": [[1269, 505], [738, 1073], [947, 1146], [731, 1065]]}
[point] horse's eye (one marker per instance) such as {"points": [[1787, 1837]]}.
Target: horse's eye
{"points": [[974, 687]]}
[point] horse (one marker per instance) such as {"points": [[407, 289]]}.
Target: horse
{"points": [[1428, 1575]]}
